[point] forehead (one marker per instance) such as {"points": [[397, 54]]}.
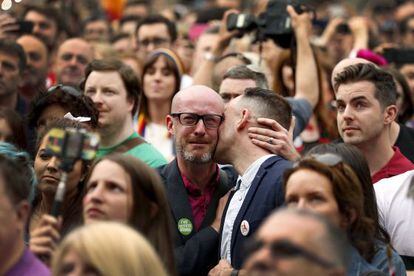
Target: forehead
{"points": [[104, 78], [236, 86], [97, 23], [9, 58], [208, 104], [38, 17], [347, 92], [151, 30], [32, 42], [77, 46]]}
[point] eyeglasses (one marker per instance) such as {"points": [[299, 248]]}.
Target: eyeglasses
{"points": [[192, 119], [66, 89], [284, 249], [157, 41]]}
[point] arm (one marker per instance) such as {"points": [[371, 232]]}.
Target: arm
{"points": [[203, 75], [306, 68]]}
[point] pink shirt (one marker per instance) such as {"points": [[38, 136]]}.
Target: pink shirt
{"points": [[398, 164], [199, 200]]}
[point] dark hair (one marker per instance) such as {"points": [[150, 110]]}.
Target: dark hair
{"points": [[385, 89], [119, 36], [12, 48], [407, 109], [403, 25], [16, 183], [267, 104], [155, 19], [47, 11], [78, 105], [16, 124], [130, 80], [95, 18], [150, 210], [72, 213], [348, 194], [129, 18], [242, 72], [171, 64], [354, 158]]}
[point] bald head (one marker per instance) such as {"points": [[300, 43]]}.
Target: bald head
{"points": [[199, 94], [72, 57], [345, 63]]}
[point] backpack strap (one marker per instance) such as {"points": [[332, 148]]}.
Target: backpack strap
{"points": [[129, 144]]}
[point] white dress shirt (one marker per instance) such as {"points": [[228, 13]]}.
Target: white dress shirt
{"points": [[243, 184]]}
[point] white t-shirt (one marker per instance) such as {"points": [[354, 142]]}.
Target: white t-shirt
{"points": [[396, 211], [158, 136]]}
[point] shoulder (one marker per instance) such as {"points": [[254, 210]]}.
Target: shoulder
{"points": [[147, 153]]}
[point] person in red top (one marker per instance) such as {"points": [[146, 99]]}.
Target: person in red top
{"points": [[366, 107]]}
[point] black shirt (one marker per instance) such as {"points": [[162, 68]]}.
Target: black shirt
{"points": [[405, 142]]}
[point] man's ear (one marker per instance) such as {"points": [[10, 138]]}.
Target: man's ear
{"points": [[390, 113], [244, 119], [170, 125], [22, 213]]}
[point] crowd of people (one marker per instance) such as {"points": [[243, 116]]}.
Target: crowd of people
{"points": [[235, 138]]}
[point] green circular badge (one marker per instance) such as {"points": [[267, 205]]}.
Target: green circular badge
{"points": [[185, 226]]}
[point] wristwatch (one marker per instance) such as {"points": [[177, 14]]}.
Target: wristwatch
{"points": [[210, 57]]}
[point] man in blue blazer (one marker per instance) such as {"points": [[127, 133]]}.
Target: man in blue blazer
{"points": [[259, 187]]}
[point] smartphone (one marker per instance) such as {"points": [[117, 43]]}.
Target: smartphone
{"points": [[25, 27]]}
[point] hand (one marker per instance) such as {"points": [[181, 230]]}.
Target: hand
{"points": [[219, 212], [277, 140], [223, 268], [301, 23], [44, 238], [224, 35], [8, 26], [329, 31]]}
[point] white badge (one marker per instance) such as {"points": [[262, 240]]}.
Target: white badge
{"points": [[244, 227]]}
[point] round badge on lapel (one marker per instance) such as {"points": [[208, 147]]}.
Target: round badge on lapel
{"points": [[185, 226], [244, 227]]}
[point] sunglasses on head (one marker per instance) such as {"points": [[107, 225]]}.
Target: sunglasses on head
{"points": [[66, 89], [328, 159]]}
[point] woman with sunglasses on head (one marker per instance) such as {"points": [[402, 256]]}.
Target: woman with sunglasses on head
{"points": [[161, 79], [328, 186], [124, 189], [45, 229]]}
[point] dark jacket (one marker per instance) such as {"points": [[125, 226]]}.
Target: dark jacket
{"points": [[196, 252], [265, 195]]}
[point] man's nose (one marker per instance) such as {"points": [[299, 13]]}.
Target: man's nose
{"points": [[200, 128]]}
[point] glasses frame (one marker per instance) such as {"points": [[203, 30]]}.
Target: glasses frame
{"points": [[66, 89], [199, 117]]}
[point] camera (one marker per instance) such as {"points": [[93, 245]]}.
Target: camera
{"points": [[71, 144], [274, 23]]}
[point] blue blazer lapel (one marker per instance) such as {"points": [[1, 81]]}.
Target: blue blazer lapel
{"points": [[250, 195]]}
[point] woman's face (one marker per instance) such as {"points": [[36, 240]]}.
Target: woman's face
{"points": [[48, 173], [308, 189], [52, 112], [73, 265], [159, 81], [108, 194]]}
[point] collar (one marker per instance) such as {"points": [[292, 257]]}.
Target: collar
{"points": [[250, 173], [194, 190]]}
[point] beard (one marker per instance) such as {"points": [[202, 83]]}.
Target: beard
{"points": [[194, 158]]}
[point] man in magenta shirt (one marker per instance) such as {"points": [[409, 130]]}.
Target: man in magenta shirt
{"points": [[15, 258], [366, 107]]}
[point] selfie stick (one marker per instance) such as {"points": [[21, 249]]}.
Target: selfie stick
{"points": [[60, 194]]}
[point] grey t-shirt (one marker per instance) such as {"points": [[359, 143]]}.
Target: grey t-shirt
{"points": [[302, 110]]}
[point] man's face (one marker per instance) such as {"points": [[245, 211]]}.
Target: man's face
{"points": [[150, 37], [270, 258], [340, 46], [97, 31], [408, 71], [108, 92], [9, 74], [227, 131], [232, 88], [37, 60], [43, 27], [408, 37], [359, 114], [195, 143], [72, 58], [12, 225]]}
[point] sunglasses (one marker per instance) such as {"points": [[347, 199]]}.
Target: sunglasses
{"points": [[328, 159], [66, 89], [285, 249]]}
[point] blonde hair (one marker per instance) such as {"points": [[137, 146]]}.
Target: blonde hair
{"points": [[112, 249]]}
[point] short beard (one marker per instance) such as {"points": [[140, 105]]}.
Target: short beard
{"points": [[189, 157]]}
